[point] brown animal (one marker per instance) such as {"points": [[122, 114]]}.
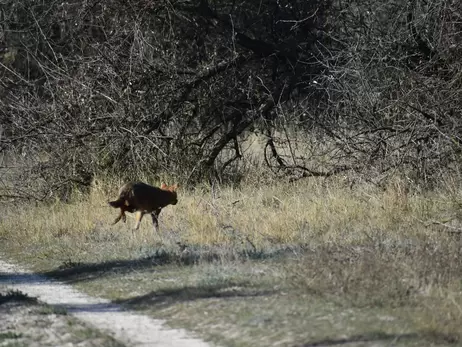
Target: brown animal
{"points": [[142, 198]]}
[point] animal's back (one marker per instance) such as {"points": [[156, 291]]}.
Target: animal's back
{"points": [[142, 196]]}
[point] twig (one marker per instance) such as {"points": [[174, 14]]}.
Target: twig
{"points": [[455, 230]]}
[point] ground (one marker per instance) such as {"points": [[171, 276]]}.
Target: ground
{"points": [[39, 312], [309, 263], [26, 322]]}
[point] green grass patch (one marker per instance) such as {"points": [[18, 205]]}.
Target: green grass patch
{"points": [[50, 309], [9, 335]]}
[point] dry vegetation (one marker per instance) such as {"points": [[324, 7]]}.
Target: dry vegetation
{"points": [[318, 144], [375, 250]]}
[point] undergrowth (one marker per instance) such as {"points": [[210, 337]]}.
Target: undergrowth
{"points": [[358, 245]]}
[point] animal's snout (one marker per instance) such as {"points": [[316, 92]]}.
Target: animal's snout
{"points": [[174, 202]]}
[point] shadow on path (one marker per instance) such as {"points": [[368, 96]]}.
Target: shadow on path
{"points": [[76, 272], [161, 299], [21, 278], [174, 295], [72, 273]]}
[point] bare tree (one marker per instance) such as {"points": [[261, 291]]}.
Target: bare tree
{"points": [[130, 87]]}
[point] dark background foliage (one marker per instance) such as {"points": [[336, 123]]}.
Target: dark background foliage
{"points": [[151, 86]]}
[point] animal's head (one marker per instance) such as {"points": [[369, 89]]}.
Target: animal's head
{"points": [[172, 189]]}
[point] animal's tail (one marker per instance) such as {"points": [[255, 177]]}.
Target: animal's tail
{"points": [[117, 203]]}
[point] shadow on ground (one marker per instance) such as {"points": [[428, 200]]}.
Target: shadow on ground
{"points": [[78, 272], [387, 339], [164, 298], [16, 296], [174, 295], [161, 298], [21, 277], [71, 272]]}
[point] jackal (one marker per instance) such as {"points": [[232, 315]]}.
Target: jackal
{"points": [[142, 198]]}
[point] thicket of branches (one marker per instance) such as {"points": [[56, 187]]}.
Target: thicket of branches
{"points": [[149, 86]]}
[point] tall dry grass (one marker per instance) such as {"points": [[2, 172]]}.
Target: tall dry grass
{"points": [[388, 246], [307, 212]]}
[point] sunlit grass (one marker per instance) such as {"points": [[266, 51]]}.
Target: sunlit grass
{"points": [[310, 211], [369, 246]]}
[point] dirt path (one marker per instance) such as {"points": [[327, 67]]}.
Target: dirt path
{"points": [[129, 328]]}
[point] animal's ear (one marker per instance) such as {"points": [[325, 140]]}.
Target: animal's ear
{"points": [[163, 186], [174, 187]]}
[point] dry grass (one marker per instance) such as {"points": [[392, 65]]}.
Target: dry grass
{"points": [[299, 213], [394, 249]]}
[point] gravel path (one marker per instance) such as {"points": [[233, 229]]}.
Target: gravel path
{"points": [[132, 329]]}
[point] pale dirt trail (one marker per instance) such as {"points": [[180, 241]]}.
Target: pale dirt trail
{"points": [[129, 328]]}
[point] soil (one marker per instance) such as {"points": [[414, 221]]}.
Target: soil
{"points": [[44, 312]]}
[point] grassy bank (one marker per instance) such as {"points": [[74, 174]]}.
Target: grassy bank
{"points": [[315, 261]]}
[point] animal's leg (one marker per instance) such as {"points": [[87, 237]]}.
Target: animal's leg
{"points": [[139, 217], [155, 219], [121, 216]]}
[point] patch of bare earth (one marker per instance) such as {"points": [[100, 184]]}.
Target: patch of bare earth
{"points": [[34, 313], [24, 323]]}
